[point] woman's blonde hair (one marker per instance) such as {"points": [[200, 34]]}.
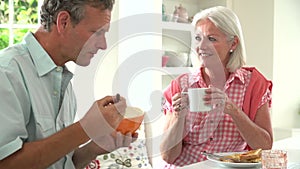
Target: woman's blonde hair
{"points": [[227, 21]]}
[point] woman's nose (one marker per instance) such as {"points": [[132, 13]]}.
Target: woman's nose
{"points": [[202, 44]]}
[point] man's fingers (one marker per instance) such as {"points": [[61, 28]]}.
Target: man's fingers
{"points": [[119, 140], [107, 100], [134, 137], [119, 106], [127, 139], [95, 124]]}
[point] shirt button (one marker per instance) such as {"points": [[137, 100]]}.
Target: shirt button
{"points": [[58, 69], [211, 139], [55, 93]]}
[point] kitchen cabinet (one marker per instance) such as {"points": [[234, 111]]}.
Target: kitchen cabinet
{"points": [[193, 6]]}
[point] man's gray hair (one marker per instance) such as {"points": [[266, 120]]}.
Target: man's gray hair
{"points": [[76, 9], [227, 21]]}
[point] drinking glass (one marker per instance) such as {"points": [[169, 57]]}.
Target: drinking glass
{"points": [[274, 159]]}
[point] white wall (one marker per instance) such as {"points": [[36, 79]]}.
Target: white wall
{"points": [[136, 32], [140, 20], [286, 100], [256, 17]]}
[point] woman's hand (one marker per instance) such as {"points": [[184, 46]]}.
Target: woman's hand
{"points": [[179, 103], [176, 102], [171, 144], [219, 100]]}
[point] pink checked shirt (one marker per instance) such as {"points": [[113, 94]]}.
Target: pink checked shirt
{"points": [[211, 132]]}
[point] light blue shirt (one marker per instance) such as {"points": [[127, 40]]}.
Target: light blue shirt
{"points": [[36, 98]]}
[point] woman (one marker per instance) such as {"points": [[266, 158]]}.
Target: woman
{"points": [[240, 96]]}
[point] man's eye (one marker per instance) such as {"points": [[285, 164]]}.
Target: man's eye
{"points": [[99, 32]]}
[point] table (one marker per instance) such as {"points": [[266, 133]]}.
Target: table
{"points": [[212, 165], [291, 145], [206, 165]]}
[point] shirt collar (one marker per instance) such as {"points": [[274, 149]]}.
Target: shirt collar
{"points": [[238, 74], [196, 77], [42, 61]]}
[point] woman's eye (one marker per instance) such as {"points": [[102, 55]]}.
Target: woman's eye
{"points": [[198, 38], [212, 39]]}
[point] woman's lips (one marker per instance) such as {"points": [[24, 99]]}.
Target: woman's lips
{"points": [[204, 54]]}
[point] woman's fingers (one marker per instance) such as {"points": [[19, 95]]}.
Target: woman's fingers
{"points": [[215, 96], [176, 101]]}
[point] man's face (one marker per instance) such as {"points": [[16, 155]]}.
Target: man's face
{"points": [[88, 36]]}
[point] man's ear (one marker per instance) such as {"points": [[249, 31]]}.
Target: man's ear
{"points": [[63, 21]]}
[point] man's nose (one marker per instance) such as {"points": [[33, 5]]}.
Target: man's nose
{"points": [[101, 43]]}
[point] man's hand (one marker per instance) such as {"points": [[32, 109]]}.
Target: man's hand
{"points": [[103, 117], [112, 142], [112, 109]]}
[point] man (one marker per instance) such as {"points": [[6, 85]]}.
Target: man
{"points": [[37, 103]]}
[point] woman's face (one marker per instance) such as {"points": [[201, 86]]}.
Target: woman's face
{"points": [[211, 43]]}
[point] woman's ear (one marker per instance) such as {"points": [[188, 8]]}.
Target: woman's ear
{"points": [[63, 21], [235, 43]]}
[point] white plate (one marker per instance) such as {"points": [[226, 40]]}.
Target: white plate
{"points": [[229, 164]]}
